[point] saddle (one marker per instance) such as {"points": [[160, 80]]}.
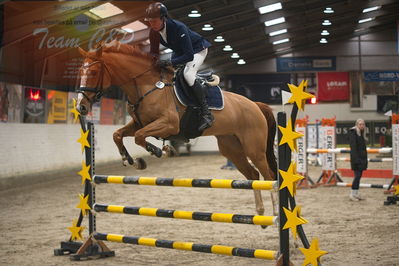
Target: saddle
{"points": [[185, 94], [191, 118]]}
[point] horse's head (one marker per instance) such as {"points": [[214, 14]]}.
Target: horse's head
{"points": [[94, 79]]}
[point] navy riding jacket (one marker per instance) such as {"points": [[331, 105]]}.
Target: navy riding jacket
{"points": [[183, 41]]}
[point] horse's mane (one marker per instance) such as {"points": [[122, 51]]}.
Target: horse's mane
{"points": [[127, 49]]}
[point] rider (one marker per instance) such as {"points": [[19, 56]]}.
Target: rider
{"points": [[188, 47]]}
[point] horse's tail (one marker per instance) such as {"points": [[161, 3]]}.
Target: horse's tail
{"points": [[271, 125]]}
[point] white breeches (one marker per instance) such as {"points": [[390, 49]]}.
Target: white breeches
{"points": [[192, 67]]}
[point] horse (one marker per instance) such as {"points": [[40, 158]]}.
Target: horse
{"points": [[243, 128]]}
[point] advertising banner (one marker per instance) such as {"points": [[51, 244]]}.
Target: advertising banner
{"points": [[14, 102], [301, 151], [395, 148], [332, 86], [320, 63], [107, 111], [381, 76], [328, 143], [119, 112], [56, 106]]}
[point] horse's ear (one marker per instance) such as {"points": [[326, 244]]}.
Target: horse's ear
{"points": [[82, 52]]}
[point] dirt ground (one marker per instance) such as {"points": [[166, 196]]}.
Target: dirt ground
{"points": [[34, 219]]}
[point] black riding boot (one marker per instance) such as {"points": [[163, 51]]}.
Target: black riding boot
{"points": [[200, 94]]}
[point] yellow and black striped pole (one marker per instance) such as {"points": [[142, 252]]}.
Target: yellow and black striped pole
{"points": [[199, 216], [189, 246], [186, 182]]}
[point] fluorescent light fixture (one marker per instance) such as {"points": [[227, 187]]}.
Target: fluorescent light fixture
{"points": [[235, 55], [134, 27], [227, 48], [207, 27], [106, 10], [323, 40], [325, 33], [365, 20], [277, 32], [281, 41], [194, 14], [219, 39], [241, 62], [326, 22], [270, 8], [328, 10], [369, 9], [274, 21]]}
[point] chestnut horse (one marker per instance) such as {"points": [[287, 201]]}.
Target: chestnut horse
{"points": [[244, 129]]}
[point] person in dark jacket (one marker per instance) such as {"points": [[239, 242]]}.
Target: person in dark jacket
{"points": [[357, 141], [188, 48]]}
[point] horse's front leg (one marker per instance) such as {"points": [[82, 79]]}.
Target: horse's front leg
{"points": [[159, 128], [128, 130]]}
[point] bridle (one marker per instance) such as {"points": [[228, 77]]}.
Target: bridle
{"points": [[99, 88]]}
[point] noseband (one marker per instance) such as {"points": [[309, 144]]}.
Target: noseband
{"points": [[99, 89]]}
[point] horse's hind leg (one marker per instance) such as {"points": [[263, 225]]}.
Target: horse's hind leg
{"points": [[255, 149], [128, 130], [231, 148]]}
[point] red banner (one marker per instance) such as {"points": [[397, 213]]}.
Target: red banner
{"points": [[107, 111], [332, 86]]}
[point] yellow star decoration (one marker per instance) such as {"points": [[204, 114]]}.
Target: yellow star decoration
{"points": [[84, 173], [289, 136], [313, 253], [290, 178], [396, 190], [74, 111], [83, 205], [83, 139], [299, 95], [76, 230], [293, 219]]}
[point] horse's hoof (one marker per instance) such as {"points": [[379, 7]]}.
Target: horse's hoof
{"points": [[170, 151], [264, 226], [124, 162], [140, 164]]}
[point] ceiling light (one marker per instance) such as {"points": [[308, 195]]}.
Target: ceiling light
{"points": [[277, 32], [328, 10], [275, 21], [241, 62], [134, 27], [281, 41], [323, 40], [227, 48], [270, 8], [365, 20], [106, 10], [218, 39], [325, 33], [369, 9], [194, 14], [207, 27], [326, 22], [235, 55]]}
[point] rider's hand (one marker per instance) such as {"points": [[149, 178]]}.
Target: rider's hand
{"points": [[163, 63]]}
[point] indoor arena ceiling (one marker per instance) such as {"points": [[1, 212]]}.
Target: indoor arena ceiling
{"points": [[242, 26]]}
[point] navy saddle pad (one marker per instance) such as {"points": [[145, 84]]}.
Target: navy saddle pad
{"points": [[185, 95]]}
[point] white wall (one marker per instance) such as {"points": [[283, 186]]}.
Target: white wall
{"points": [[35, 148]]}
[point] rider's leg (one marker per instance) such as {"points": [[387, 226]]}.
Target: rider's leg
{"points": [[190, 72]]}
